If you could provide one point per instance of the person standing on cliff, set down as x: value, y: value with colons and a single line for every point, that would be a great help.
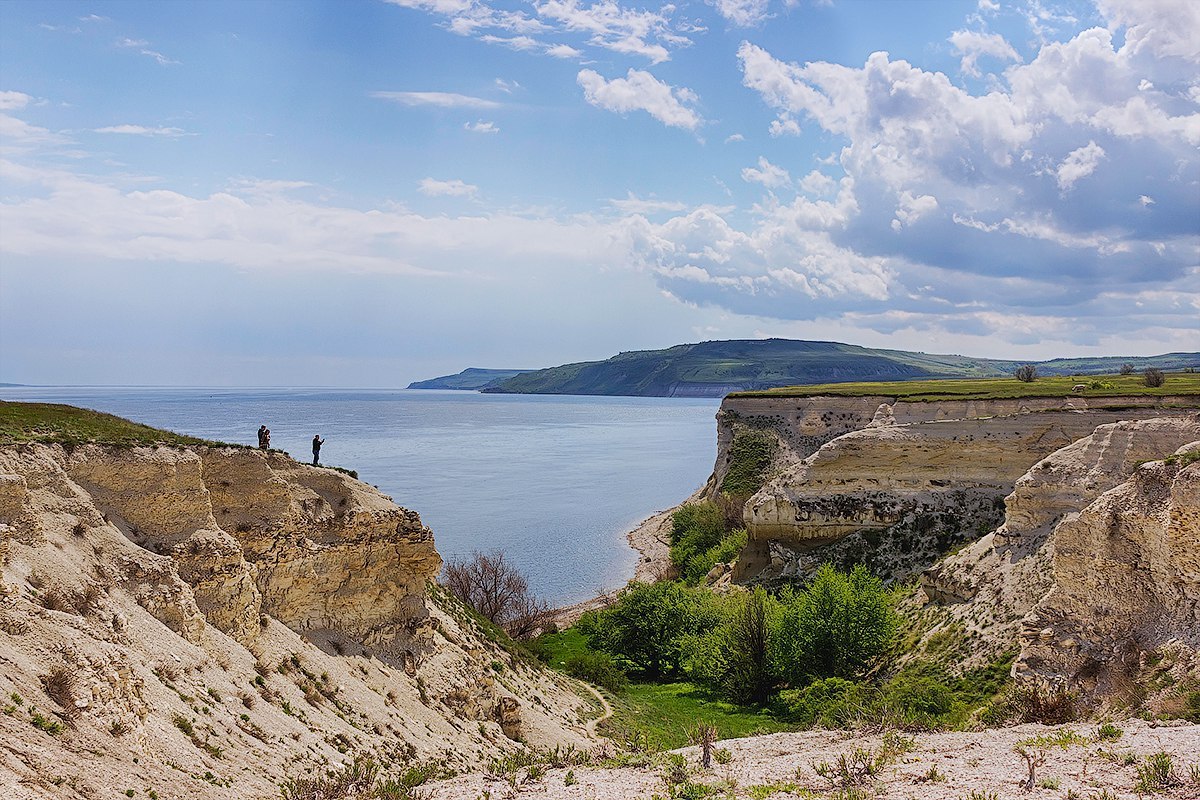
x: 317, y: 442
x: 264, y: 437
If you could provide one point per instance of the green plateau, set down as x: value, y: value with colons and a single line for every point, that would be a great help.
x: 718, y: 368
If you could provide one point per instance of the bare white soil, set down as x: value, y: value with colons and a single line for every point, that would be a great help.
x: 940, y: 766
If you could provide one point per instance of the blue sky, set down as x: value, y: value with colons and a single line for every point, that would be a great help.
x: 368, y: 193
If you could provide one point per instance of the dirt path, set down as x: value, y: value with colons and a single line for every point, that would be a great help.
x: 608, y: 709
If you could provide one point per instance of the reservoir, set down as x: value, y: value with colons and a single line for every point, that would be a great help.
x: 555, y: 481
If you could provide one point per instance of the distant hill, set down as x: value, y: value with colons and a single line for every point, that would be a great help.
x: 471, y: 378
x: 714, y: 369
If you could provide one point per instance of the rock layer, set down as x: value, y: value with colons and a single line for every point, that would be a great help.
x: 231, y: 613
x: 1126, y: 583
x: 899, y: 482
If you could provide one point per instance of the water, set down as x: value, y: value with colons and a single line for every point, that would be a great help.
x: 553, y: 481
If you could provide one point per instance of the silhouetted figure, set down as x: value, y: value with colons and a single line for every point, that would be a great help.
x: 264, y: 437
x: 317, y: 442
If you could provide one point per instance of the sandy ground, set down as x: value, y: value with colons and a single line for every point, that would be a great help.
x: 939, y: 766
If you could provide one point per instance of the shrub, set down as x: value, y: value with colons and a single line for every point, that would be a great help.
x: 1127, y: 368
x: 647, y: 624
x: 733, y: 657
x: 59, y: 684
x: 498, y: 591
x: 829, y: 703
x: 1031, y: 703
x: 833, y: 627
x: 1026, y: 373
x: 920, y: 697
x: 696, y: 529
x: 1153, y: 377
x: 1156, y: 773
x: 598, y: 668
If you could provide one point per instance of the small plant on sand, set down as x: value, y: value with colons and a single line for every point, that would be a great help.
x: 59, y: 683
x: 1107, y: 732
x: 933, y: 775
x: 853, y: 770
x: 706, y: 734
x: 1156, y: 773
x: 1034, y: 757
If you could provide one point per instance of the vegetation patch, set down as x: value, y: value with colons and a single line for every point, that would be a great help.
x: 700, y: 541
x: 750, y: 455
x: 1174, y: 383
x: 662, y: 716
x: 54, y: 423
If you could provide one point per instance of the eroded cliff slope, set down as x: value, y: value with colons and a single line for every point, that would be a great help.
x: 207, y: 621
x: 892, y: 483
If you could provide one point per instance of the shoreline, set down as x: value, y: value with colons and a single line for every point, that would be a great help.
x: 651, y: 539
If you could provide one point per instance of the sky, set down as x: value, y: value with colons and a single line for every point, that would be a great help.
x: 363, y: 194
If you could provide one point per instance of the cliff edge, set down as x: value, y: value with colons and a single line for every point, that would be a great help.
x: 207, y: 621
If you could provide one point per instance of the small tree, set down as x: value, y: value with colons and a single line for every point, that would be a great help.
x: 498, y: 591
x: 648, y: 624
x: 1153, y: 377
x: 733, y: 657
x: 1127, y: 368
x: 1026, y: 373
x: 833, y: 628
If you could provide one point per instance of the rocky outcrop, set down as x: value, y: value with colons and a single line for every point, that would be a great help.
x: 987, y: 589
x: 1126, y: 583
x: 232, y: 613
x: 897, y: 484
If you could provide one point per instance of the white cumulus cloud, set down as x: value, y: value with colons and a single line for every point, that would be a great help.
x: 641, y: 91
x: 452, y: 188
x: 1079, y: 164
x: 742, y: 12
x: 972, y: 44
x: 768, y: 174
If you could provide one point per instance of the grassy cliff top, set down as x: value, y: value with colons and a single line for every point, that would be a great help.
x: 1177, y: 383
x: 53, y: 423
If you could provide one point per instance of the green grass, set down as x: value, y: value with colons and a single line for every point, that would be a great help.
x: 659, y: 716
x: 662, y: 714
x: 556, y: 649
x: 1178, y: 383
x: 52, y: 423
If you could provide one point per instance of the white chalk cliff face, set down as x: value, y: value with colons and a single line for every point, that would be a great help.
x: 902, y: 486
x: 1075, y: 545
x: 281, y: 613
x: 1125, y: 583
x: 991, y: 588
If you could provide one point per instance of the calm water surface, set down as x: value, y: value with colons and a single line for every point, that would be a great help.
x: 554, y: 481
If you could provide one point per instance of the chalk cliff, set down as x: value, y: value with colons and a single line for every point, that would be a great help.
x: 1052, y: 529
x: 205, y: 621
x: 895, y: 483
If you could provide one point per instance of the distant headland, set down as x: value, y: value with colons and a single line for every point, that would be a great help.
x: 718, y: 368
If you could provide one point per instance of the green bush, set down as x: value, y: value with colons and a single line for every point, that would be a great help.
x: 696, y: 528
x: 924, y: 699
x: 733, y: 657
x: 598, y: 668
x: 645, y: 628
x: 833, y: 627
x: 829, y: 703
